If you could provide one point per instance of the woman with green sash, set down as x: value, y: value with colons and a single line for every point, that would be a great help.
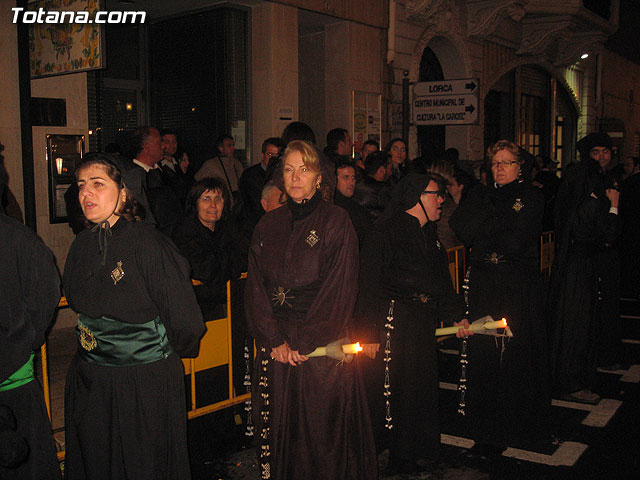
x: 125, y: 415
x: 29, y: 294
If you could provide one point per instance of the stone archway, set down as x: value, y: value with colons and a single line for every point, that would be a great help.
x: 439, y: 59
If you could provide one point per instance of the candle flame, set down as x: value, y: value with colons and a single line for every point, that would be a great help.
x: 504, y: 322
x: 357, y: 347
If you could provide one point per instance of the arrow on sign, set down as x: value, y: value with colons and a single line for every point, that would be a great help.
x: 470, y: 86
x: 469, y: 109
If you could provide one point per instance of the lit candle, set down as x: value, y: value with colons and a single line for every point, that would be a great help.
x: 476, y: 327
x: 350, y: 348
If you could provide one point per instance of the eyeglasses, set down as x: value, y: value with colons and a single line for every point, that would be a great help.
x: 440, y: 193
x: 504, y: 164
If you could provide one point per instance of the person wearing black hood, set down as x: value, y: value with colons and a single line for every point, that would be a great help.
x: 508, y: 398
x: 584, y: 302
x: 29, y: 294
x: 405, y: 290
x: 137, y: 315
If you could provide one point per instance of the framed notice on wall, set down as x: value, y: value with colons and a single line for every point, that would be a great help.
x: 64, y: 153
x: 366, y: 118
x: 67, y: 40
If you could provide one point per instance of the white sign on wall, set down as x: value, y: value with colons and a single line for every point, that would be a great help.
x: 446, y: 102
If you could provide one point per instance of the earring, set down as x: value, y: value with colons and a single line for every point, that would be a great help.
x: 318, y: 186
x: 520, y: 179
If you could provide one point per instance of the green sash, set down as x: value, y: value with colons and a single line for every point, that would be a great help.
x: 20, y: 377
x: 109, y: 342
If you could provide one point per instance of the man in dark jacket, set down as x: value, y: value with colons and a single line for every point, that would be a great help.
x: 250, y: 186
x: 373, y: 192
x: 345, y: 188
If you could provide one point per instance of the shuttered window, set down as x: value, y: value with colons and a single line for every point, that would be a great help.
x: 199, y: 76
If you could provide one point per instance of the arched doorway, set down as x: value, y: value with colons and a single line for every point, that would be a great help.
x: 431, y: 138
x: 529, y: 106
x: 441, y: 60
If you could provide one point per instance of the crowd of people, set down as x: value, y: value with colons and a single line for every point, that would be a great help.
x: 337, y: 250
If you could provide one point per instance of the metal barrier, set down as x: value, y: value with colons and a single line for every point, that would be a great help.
x: 210, y: 357
x: 457, y: 265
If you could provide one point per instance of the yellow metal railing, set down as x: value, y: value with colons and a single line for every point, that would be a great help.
x: 457, y: 265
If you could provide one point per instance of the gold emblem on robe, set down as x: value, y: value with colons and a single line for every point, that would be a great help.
x: 312, y: 238
x: 517, y: 206
x: 117, y: 273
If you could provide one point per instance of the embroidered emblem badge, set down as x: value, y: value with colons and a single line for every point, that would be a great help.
x: 422, y: 297
x: 117, y: 273
x: 494, y: 258
x: 312, y: 238
x: 517, y: 206
x: 87, y: 338
x: 280, y: 296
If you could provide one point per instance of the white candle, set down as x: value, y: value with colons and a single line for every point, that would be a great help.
x: 476, y: 327
x: 346, y: 349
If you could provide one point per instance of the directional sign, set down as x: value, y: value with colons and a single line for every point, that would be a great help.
x: 446, y: 87
x: 448, y: 102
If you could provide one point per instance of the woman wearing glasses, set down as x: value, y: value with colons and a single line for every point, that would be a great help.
x: 508, y: 395
x: 404, y: 290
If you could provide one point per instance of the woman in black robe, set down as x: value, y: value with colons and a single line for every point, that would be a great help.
x: 29, y: 294
x: 217, y: 252
x: 404, y: 276
x: 125, y: 414
x: 207, y: 237
x: 508, y: 396
x: 311, y: 413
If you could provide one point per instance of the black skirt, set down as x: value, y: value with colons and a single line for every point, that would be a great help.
x: 126, y: 422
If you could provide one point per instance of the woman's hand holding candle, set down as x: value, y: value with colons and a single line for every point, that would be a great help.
x: 465, y: 329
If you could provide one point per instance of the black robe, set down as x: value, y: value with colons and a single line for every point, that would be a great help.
x: 130, y: 421
x: 508, y: 394
x: 630, y: 236
x: 301, y: 288
x: 401, y: 261
x: 215, y: 258
x: 250, y: 187
x: 360, y: 218
x: 584, y: 294
x: 29, y: 294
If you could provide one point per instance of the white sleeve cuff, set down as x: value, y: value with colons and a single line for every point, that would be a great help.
x: 613, y: 210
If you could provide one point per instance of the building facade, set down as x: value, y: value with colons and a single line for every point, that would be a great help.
x: 248, y: 67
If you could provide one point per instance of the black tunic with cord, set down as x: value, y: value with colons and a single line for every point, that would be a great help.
x: 403, y: 262
x: 508, y: 398
x: 129, y: 420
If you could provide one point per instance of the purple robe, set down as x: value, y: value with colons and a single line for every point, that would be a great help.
x: 301, y: 288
